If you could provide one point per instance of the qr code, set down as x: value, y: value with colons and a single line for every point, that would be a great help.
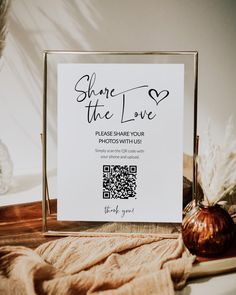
x: 119, y: 182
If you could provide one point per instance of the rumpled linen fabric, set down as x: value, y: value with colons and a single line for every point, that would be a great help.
x: 113, y: 265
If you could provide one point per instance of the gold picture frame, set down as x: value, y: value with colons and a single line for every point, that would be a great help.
x: 52, y: 227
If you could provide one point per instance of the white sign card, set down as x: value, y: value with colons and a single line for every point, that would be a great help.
x: 120, y: 142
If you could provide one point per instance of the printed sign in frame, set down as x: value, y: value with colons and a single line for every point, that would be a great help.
x: 116, y: 128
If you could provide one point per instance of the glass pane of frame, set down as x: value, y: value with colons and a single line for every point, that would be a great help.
x: 103, y: 62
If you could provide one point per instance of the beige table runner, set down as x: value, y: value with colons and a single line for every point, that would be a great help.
x: 92, y: 265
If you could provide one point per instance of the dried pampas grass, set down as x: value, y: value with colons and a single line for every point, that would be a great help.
x: 4, y: 8
x: 217, y: 166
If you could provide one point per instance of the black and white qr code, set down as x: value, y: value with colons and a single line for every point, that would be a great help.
x: 119, y: 182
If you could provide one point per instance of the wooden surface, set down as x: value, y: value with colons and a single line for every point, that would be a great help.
x: 22, y: 225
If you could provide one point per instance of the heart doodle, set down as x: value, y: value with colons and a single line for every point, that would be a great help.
x: 158, y: 96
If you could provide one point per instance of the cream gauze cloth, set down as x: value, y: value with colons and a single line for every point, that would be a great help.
x: 103, y: 265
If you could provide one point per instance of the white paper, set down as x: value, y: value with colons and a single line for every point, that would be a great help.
x: 120, y: 142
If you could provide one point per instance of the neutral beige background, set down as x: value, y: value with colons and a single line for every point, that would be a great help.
x: 208, y: 26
